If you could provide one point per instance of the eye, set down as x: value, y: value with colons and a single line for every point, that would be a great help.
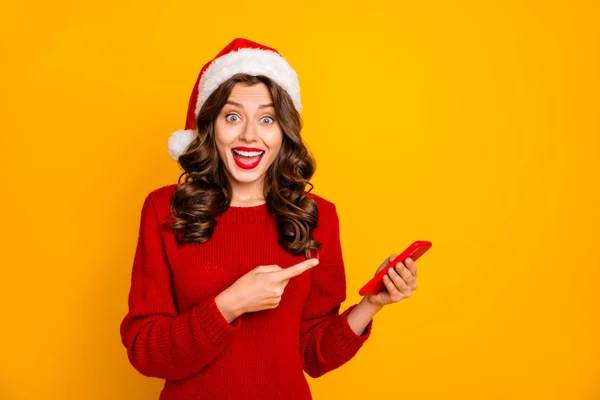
x: 230, y: 115
x: 272, y: 120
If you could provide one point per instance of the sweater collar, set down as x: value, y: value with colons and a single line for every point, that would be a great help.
x: 245, y: 215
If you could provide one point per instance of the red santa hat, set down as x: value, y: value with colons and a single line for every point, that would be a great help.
x: 241, y: 55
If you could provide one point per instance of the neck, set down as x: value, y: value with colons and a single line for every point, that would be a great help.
x: 247, y: 194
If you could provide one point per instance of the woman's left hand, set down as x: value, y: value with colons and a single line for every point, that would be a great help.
x: 400, y: 282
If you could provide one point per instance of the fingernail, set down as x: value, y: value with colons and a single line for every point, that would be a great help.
x: 315, y: 262
x: 409, y: 259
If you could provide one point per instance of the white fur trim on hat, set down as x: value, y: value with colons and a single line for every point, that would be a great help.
x: 179, y: 141
x: 254, y: 62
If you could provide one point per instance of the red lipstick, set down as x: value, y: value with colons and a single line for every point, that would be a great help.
x: 244, y: 161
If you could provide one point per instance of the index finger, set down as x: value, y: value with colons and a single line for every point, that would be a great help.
x: 411, y: 265
x: 297, y: 269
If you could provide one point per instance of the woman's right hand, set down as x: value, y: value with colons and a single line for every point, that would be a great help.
x: 259, y: 289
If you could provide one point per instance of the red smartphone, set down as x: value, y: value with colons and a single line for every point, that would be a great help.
x: 414, y: 251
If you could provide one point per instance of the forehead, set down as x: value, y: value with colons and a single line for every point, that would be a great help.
x: 242, y: 93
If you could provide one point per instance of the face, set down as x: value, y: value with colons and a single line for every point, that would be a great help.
x: 247, y: 134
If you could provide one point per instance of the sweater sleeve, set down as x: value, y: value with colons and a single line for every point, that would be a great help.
x: 160, y: 341
x: 326, y: 339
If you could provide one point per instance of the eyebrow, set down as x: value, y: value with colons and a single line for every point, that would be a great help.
x: 241, y: 106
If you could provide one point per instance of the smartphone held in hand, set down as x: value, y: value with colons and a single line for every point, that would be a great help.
x: 414, y: 251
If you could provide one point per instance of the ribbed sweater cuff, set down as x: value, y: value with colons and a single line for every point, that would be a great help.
x: 347, y: 340
x: 208, y: 317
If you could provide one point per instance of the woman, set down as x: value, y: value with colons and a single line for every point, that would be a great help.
x: 226, y: 300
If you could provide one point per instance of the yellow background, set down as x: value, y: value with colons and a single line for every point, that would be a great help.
x: 473, y: 124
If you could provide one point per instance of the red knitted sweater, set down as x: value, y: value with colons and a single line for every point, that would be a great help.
x: 175, y: 331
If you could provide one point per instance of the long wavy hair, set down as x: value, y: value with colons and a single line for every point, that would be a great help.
x: 206, y: 191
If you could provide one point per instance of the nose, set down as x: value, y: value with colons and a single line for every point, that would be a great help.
x: 249, y: 133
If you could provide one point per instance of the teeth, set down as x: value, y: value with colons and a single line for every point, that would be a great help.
x: 248, y: 153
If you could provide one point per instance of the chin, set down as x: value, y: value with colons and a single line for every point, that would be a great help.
x: 243, y: 176
x: 246, y: 179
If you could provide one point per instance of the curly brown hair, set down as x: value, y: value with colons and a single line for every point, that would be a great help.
x: 206, y: 191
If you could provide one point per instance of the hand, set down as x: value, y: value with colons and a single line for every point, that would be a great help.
x: 260, y: 289
x: 400, y: 282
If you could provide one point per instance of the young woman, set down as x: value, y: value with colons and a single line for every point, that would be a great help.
x: 227, y: 300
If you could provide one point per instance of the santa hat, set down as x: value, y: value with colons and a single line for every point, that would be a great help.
x: 241, y: 55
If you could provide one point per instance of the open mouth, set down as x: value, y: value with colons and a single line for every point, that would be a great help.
x: 247, y: 159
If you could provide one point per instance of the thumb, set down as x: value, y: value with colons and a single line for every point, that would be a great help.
x: 386, y: 262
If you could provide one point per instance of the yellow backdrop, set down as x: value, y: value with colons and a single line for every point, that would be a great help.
x: 471, y: 124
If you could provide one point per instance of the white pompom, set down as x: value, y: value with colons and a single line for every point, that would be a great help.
x: 179, y: 141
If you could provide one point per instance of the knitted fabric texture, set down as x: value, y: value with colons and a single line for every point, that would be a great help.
x: 174, y: 330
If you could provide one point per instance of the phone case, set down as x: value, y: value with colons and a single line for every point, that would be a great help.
x: 414, y: 251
